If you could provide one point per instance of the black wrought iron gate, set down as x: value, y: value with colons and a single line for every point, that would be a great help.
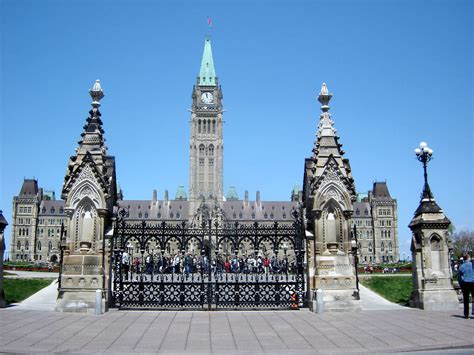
x: 214, y: 266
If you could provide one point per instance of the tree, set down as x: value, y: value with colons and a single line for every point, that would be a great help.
x: 463, y: 242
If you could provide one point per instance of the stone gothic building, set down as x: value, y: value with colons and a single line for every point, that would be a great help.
x: 90, y: 199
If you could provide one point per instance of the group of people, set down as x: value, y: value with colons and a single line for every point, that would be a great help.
x: 191, y: 263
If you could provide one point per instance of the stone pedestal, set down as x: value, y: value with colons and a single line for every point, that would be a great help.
x: 335, y: 281
x: 81, y: 276
x: 432, y: 276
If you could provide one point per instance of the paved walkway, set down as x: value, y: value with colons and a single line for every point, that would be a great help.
x: 266, y: 332
x: 380, y: 327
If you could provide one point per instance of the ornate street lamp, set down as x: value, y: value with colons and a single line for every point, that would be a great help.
x: 355, y: 251
x: 424, y: 154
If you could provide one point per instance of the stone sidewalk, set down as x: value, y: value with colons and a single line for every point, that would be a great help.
x: 235, y: 332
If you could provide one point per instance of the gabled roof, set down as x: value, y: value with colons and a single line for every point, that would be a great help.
x: 87, y: 160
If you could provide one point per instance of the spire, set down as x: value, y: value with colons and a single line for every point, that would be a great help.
x: 326, y: 141
x: 326, y: 127
x: 92, y: 137
x: 207, y: 74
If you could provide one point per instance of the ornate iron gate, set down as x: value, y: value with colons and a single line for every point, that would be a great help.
x: 214, y: 266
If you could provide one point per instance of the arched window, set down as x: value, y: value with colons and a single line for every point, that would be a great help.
x: 284, y: 215
x: 140, y: 215
x: 382, y: 247
x: 52, y: 210
x: 213, y: 126
x: 370, y: 249
x: 390, y: 246
x: 27, y: 245
x: 208, y: 126
x: 201, y: 150
x: 39, y: 245
x: 199, y: 126
x: 146, y: 214
x: 389, y: 234
x: 43, y: 210
x: 50, y: 246
x: 61, y: 210
x: 18, y: 245
x: 203, y: 126
x: 211, y: 150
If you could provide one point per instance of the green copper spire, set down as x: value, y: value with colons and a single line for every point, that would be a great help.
x: 207, y: 74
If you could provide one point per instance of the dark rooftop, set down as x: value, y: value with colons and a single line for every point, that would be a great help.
x: 380, y: 191
x: 29, y: 188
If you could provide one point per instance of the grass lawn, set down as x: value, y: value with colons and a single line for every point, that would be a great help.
x: 16, y: 290
x: 395, y: 289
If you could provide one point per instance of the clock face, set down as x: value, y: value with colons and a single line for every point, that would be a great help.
x: 207, y: 97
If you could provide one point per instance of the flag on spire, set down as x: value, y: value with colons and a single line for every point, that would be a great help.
x: 209, y: 22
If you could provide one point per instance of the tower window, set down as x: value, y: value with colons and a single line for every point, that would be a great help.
x: 211, y: 150
x: 201, y: 150
x: 199, y: 126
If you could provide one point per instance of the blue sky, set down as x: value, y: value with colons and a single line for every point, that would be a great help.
x: 400, y: 72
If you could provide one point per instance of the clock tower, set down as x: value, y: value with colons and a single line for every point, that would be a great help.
x: 206, y: 141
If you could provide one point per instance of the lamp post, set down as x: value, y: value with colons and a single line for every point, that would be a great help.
x: 355, y: 250
x: 62, y: 246
x: 424, y: 154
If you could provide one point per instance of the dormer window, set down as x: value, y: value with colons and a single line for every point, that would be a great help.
x: 52, y: 210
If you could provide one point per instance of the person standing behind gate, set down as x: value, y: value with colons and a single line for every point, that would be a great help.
x: 125, y: 264
x: 466, y: 279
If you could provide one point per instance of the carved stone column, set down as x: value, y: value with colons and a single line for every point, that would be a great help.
x: 432, y: 275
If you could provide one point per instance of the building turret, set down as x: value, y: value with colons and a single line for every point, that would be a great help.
x: 90, y: 194
x: 329, y: 192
